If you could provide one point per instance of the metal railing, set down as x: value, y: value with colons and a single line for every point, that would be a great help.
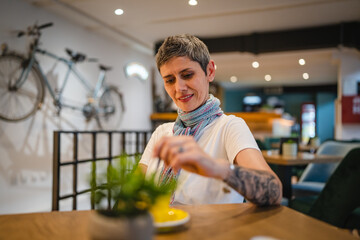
x: 130, y: 142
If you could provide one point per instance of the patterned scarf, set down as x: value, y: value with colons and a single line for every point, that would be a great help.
x: 193, y: 123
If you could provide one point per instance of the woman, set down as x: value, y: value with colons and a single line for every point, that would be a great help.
x: 214, y: 156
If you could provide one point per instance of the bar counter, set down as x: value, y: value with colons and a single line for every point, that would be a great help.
x: 257, y: 121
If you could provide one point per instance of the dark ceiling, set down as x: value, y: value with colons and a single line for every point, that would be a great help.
x: 346, y: 34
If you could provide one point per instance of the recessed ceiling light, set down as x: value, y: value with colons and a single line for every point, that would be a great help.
x: 119, y: 11
x: 255, y: 64
x: 301, y: 61
x: 267, y: 77
x: 215, y: 67
x: 193, y: 2
x: 305, y: 75
x: 233, y: 79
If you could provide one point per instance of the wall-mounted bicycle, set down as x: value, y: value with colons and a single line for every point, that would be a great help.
x: 22, y: 88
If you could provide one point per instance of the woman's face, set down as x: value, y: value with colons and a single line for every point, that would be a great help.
x: 186, y: 82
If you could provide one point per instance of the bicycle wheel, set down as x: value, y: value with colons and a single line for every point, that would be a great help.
x: 111, y: 109
x: 18, y: 103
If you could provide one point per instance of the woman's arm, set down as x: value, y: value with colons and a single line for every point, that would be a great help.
x: 251, y: 176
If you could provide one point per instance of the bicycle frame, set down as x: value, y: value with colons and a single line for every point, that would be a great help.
x: 96, y: 92
x: 24, y: 84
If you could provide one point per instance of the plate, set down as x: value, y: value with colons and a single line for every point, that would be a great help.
x: 166, y: 226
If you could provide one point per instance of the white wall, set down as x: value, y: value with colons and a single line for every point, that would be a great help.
x: 348, y: 76
x: 26, y: 147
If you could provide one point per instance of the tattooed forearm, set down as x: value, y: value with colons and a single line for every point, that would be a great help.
x: 259, y: 187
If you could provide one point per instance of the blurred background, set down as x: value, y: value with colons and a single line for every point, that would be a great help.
x: 282, y: 65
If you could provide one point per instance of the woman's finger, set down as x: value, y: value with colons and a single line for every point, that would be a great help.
x: 195, y: 160
x: 185, y: 157
x: 170, y: 148
x: 169, y: 141
x: 162, y: 147
x: 158, y: 146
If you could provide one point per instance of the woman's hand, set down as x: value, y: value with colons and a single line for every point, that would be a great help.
x: 183, y: 152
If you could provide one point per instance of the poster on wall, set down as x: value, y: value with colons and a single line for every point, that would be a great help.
x: 350, y: 109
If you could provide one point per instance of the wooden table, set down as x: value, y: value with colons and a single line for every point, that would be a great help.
x: 222, y: 221
x: 286, y: 163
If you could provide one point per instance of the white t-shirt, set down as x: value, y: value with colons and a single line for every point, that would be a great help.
x: 223, y: 138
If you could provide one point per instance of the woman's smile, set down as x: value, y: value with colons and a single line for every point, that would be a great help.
x: 186, y: 98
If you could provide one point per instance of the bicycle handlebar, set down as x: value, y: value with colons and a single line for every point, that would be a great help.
x: 34, y: 30
x: 50, y: 24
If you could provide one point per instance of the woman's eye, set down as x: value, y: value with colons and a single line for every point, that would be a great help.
x: 169, y: 81
x: 187, y: 76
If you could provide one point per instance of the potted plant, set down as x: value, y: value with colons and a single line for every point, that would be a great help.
x: 289, y: 148
x: 123, y: 197
x: 315, y: 142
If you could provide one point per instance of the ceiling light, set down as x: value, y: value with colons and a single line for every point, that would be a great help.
x: 255, y: 64
x: 301, y: 61
x: 136, y: 70
x: 193, y: 2
x: 119, y: 11
x: 215, y: 67
x: 305, y: 75
x: 233, y: 79
x: 267, y: 77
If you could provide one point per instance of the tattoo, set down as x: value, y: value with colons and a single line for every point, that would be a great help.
x: 259, y: 187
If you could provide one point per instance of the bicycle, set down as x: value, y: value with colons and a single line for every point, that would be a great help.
x: 22, y: 83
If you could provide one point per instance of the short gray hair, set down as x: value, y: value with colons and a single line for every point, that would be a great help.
x: 184, y: 45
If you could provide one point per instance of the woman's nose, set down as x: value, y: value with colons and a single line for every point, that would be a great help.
x: 180, y: 85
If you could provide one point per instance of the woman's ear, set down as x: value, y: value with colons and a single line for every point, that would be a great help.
x: 211, y: 70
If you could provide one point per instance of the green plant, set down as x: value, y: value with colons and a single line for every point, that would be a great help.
x: 130, y: 192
